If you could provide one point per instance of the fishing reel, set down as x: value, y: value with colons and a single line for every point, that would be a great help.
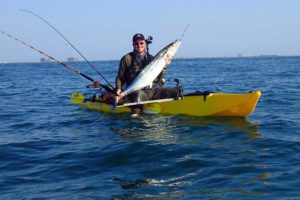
x: 178, y: 82
x: 149, y: 40
x: 95, y: 84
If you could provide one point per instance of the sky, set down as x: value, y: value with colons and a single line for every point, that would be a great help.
x: 103, y: 29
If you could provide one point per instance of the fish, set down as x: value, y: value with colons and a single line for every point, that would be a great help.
x: 153, y: 69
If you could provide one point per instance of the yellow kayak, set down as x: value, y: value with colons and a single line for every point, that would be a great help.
x: 207, y: 104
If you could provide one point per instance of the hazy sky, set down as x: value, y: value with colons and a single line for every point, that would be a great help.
x: 103, y: 29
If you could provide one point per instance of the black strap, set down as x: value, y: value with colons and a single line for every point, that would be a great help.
x: 200, y: 93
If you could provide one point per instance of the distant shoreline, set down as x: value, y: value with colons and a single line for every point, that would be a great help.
x: 176, y: 58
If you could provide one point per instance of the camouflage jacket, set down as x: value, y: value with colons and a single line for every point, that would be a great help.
x: 130, y: 66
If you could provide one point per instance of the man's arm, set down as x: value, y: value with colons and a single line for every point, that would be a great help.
x: 120, y: 79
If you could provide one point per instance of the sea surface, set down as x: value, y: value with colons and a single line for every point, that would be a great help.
x: 51, y: 149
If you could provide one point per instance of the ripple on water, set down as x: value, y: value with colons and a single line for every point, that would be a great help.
x: 50, y: 149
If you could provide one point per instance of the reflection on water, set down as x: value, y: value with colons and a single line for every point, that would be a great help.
x: 184, y: 129
x: 207, y: 151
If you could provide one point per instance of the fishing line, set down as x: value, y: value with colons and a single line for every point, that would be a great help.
x: 184, y: 31
x: 44, y: 20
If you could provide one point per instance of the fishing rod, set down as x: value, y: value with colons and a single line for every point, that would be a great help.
x: 48, y: 23
x: 95, y: 83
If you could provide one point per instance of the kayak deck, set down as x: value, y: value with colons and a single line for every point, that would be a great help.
x: 213, y: 104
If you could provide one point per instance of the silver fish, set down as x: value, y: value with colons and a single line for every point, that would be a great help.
x: 153, y: 69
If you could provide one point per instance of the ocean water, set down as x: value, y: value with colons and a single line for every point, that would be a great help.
x: 51, y: 149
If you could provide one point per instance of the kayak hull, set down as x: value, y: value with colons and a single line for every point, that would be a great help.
x: 213, y: 104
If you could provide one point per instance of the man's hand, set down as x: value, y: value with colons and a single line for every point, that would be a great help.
x: 120, y: 94
x: 168, y: 59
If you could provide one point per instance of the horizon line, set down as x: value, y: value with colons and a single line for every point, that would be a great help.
x: 175, y: 58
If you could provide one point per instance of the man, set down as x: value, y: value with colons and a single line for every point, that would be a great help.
x: 131, y: 65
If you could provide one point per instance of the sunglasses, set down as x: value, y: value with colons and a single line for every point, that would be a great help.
x: 139, y: 43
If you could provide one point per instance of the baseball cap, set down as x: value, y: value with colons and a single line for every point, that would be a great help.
x: 138, y: 36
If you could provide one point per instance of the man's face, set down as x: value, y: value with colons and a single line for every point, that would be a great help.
x: 139, y: 45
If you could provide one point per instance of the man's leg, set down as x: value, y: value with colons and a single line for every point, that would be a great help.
x: 164, y: 93
x: 138, y: 96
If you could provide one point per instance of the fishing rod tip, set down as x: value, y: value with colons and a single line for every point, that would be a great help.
x: 23, y: 10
